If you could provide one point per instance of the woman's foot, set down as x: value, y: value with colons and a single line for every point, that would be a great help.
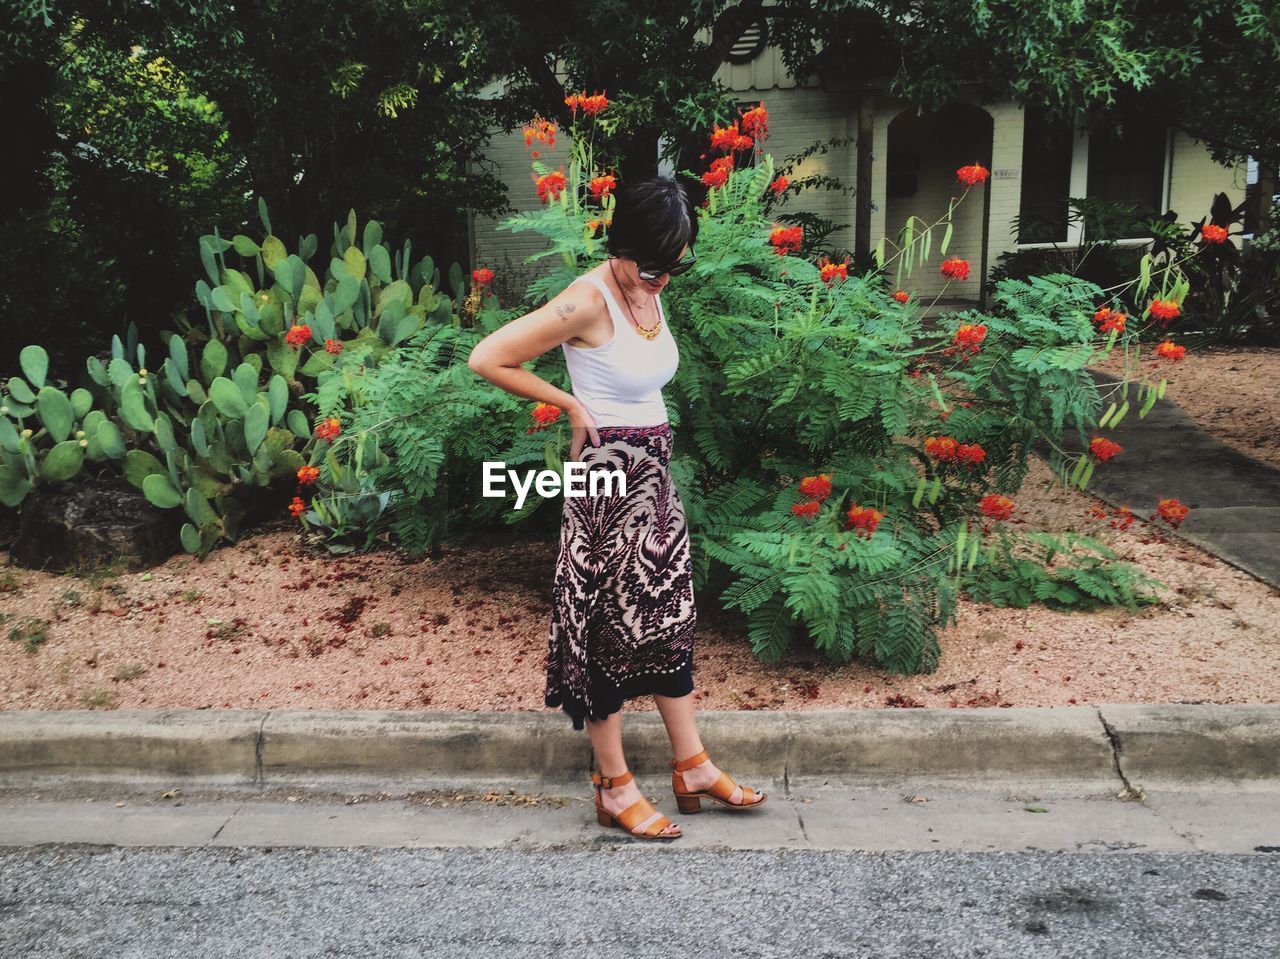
x: 620, y: 797
x: 704, y: 776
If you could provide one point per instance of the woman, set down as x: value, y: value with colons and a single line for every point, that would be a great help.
x: 623, y: 614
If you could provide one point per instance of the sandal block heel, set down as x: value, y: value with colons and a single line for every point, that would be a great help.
x: 720, y: 791
x: 629, y: 819
x: 688, y: 804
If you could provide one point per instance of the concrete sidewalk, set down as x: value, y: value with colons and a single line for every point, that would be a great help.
x: 1122, y: 746
x: 1234, y: 499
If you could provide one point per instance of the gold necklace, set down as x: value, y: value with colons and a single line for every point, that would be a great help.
x: 647, y: 334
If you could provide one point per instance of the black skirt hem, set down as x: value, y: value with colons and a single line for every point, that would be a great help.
x: 609, y: 698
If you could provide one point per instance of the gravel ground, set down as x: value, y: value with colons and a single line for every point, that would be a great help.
x: 270, y: 623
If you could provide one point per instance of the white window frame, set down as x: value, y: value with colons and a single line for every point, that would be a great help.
x: 1077, y: 185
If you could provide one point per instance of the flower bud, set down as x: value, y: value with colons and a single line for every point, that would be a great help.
x: 84, y: 443
x: 26, y: 434
x: 142, y: 371
x: 4, y: 411
x: 79, y: 434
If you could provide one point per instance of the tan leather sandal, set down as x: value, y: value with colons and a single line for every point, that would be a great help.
x: 633, y: 815
x: 720, y: 790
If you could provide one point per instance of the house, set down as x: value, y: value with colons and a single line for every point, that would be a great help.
x: 897, y: 162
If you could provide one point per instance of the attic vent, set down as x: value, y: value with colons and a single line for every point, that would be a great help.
x: 751, y: 37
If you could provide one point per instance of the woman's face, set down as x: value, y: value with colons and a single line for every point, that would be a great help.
x: 652, y: 286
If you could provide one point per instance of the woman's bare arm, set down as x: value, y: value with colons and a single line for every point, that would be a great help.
x: 500, y: 355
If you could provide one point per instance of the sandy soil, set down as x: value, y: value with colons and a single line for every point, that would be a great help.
x: 1230, y: 392
x: 270, y: 623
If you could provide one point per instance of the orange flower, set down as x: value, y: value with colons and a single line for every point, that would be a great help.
x: 941, y: 448
x: 970, y: 453
x: 1213, y: 233
x: 902, y: 296
x: 1109, y: 319
x: 1172, y: 511
x: 728, y: 138
x: 755, y: 122
x: 298, y: 506
x: 1169, y: 351
x: 718, y: 175
x: 779, y: 184
x: 968, y: 339
x: 308, y: 475
x: 807, y: 509
x: 974, y: 173
x: 549, y: 186
x: 818, y: 487
x: 591, y: 105
x: 1164, y: 310
x: 602, y: 186
x: 997, y: 507
x: 298, y: 334
x: 482, y: 276
x: 864, y: 519
x: 544, y: 414
x: 328, y: 429
x: 542, y: 130
x: 333, y: 346
x: 830, y: 271
x: 1103, y: 449
x: 786, y: 239
x: 955, y: 269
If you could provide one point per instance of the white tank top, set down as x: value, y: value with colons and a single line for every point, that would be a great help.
x: 620, y: 383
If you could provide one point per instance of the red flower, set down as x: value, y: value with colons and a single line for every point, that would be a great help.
x: 1169, y: 351
x: 818, y: 487
x: 997, y: 507
x: 779, y: 184
x: 1109, y: 319
x: 955, y: 269
x: 1172, y: 511
x: 1164, y: 310
x: 902, y: 296
x: 974, y: 173
x: 298, y: 334
x: 786, y: 239
x: 968, y: 338
x: 482, y: 276
x: 864, y: 519
x: 328, y: 429
x: 941, y: 448
x: 970, y: 453
x: 602, y: 186
x: 718, y: 175
x: 298, y: 506
x: 725, y: 138
x: 591, y: 105
x: 539, y: 129
x: 333, y: 346
x: 308, y: 475
x: 1213, y: 233
x: 830, y: 271
x: 550, y: 186
x: 544, y: 414
x: 806, y: 509
x: 755, y: 122
x: 1103, y: 449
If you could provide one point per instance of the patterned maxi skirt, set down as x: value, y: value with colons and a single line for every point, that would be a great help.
x: 623, y: 616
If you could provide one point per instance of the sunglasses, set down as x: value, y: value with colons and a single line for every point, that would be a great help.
x: 651, y: 273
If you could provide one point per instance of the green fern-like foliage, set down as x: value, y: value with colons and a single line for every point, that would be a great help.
x: 789, y: 370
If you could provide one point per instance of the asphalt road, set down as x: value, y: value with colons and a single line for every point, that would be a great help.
x: 831, y: 871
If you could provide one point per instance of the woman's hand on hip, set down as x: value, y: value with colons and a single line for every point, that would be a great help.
x: 584, y: 425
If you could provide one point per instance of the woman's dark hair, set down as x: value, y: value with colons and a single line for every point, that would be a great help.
x: 653, y: 221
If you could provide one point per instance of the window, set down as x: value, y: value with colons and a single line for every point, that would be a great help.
x: 1046, y: 179
x: 1117, y: 163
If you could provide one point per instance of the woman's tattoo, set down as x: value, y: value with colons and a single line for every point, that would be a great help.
x: 563, y: 311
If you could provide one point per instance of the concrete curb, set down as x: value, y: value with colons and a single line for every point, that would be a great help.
x: 1114, y: 744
